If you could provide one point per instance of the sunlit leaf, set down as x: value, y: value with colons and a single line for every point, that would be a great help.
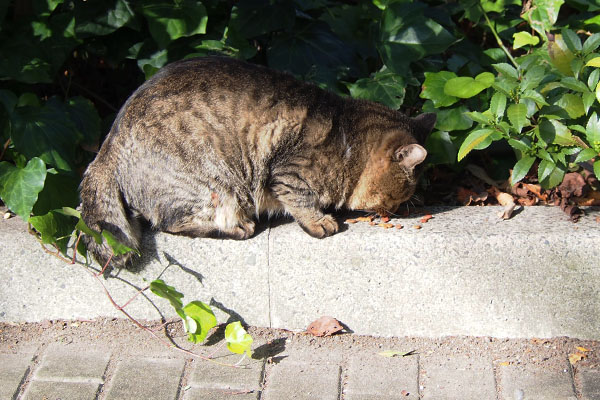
x: 433, y: 88
x: 199, y: 320
x: 523, y: 39
x: 472, y: 140
x: 161, y: 289
x: 238, y: 340
x: 517, y: 115
x: 19, y: 187
x: 521, y: 169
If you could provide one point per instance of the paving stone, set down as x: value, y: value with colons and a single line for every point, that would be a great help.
x: 377, y: 377
x: 457, y: 378
x: 37, y: 390
x: 302, y: 381
x: 146, y: 378
x: 218, y: 394
x: 533, y: 384
x: 590, y: 384
x: 210, y: 376
x: 72, y: 364
x: 13, y: 368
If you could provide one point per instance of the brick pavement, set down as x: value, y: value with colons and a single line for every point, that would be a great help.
x: 73, y: 372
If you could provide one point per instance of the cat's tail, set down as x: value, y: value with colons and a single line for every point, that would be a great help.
x: 103, y: 208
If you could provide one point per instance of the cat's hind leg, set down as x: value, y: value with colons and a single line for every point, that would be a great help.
x: 222, y: 217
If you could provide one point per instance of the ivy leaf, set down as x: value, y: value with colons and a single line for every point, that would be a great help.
x: 524, y: 39
x: 117, y: 247
x: 81, y: 225
x: 199, y: 320
x: 517, y: 115
x: 238, y: 340
x: 19, y: 187
x: 96, y: 18
x: 55, y: 228
x: 252, y: 18
x: 433, y: 88
x: 472, y: 140
x: 168, y: 21
x: 161, y: 289
x: 521, y: 169
x: 384, y: 87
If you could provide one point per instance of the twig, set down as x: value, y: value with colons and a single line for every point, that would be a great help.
x: 6, y: 144
x: 498, y: 40
x: 105, y: 266
x: 75, y: 248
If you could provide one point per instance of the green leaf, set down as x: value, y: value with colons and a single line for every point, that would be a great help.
x: 464, y: 87
x: 594, y: 62
x: 486, y: 78
x: 19, y: 187
x: 542, y: 15
x: 521, y: 169
x: 597, y: 168
x: 384, y: 87
x: 161, y: 289
x: 96, y: 18
x: 506, y: 70
x: 593, y: 132
x: 545, y: 169
x: 452, y: 119
x: 498, y: 105
x: 252, y: 18
x: 238, y: 340
x: 560, y: 55
x: 574, y: 84
x: 60, y: 190
x: 571, y: 40
x: 520, y: 145
x: 81, y: 225
x: 479, y: 117
x: 535, y: 96
x: 555, y: 173
x: 588, y: 100
x: 585, y: 155
x: 47, y: 133
x: 406, y: 35
x: 572, y: 104
x: 523, y: 39
x: 593, y: 79
x: 168, y: 21
x: 117, y: 247
x: 517, y: 115
x: 591, y: 44
x: 563, y: 136
x: 440, y: 149
x: 199, y: 320
x: 55, y: 228
x: 472, y: 140
x: 84, y: 116
x: 506, y: 86
x: 433, y: 88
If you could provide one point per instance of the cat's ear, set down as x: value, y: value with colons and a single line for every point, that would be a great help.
x: 410, y: 155
x: 423, y: 125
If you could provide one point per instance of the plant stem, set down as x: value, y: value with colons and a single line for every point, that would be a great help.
x: 498, y: 40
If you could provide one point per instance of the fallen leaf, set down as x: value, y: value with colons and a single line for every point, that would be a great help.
x: 405, y: 393
x: 505, y: 200
x: 417, y: 226
x: 573, y: 184
x: 395, y: 353
x: 504, y: 364
x: 372, y: 223
x: 582, y: 349
x: 572, y: 210
x: 385, y: 219
x: 351, y: 221
x: 324, y: 326
x: 468, y: 197
x: 574, y: 358
x: 426, y: 218
x: 386, y: 226
x: 398, y: 226
x: 591, y: 199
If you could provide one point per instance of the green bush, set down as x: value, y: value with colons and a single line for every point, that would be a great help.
x: 67, y: 65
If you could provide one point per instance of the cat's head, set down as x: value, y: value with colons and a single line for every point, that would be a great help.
x: 390, y: 176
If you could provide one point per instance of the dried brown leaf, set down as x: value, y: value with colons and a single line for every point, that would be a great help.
x: 426, y: 218
x: 573, y: 185
x: 324, y: 326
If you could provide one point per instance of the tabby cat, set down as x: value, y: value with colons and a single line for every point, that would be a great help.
x: 207, y: 144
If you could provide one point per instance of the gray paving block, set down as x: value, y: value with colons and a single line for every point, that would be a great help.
x: 37, y: 390
x: 218, y: 394
x: 535, y: 384
x: 590, y: 384
x: 146, y: 378
x: 451, y: 378
x: 13, y: 368
x: 210, y: 376
x: 302, y: 381
x: 374, y: 376
x: 72, y: 364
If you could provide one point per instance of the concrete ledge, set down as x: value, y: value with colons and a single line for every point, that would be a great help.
x: 464, y: 273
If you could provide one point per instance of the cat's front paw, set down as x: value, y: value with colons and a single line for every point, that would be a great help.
x: 323, y: 227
